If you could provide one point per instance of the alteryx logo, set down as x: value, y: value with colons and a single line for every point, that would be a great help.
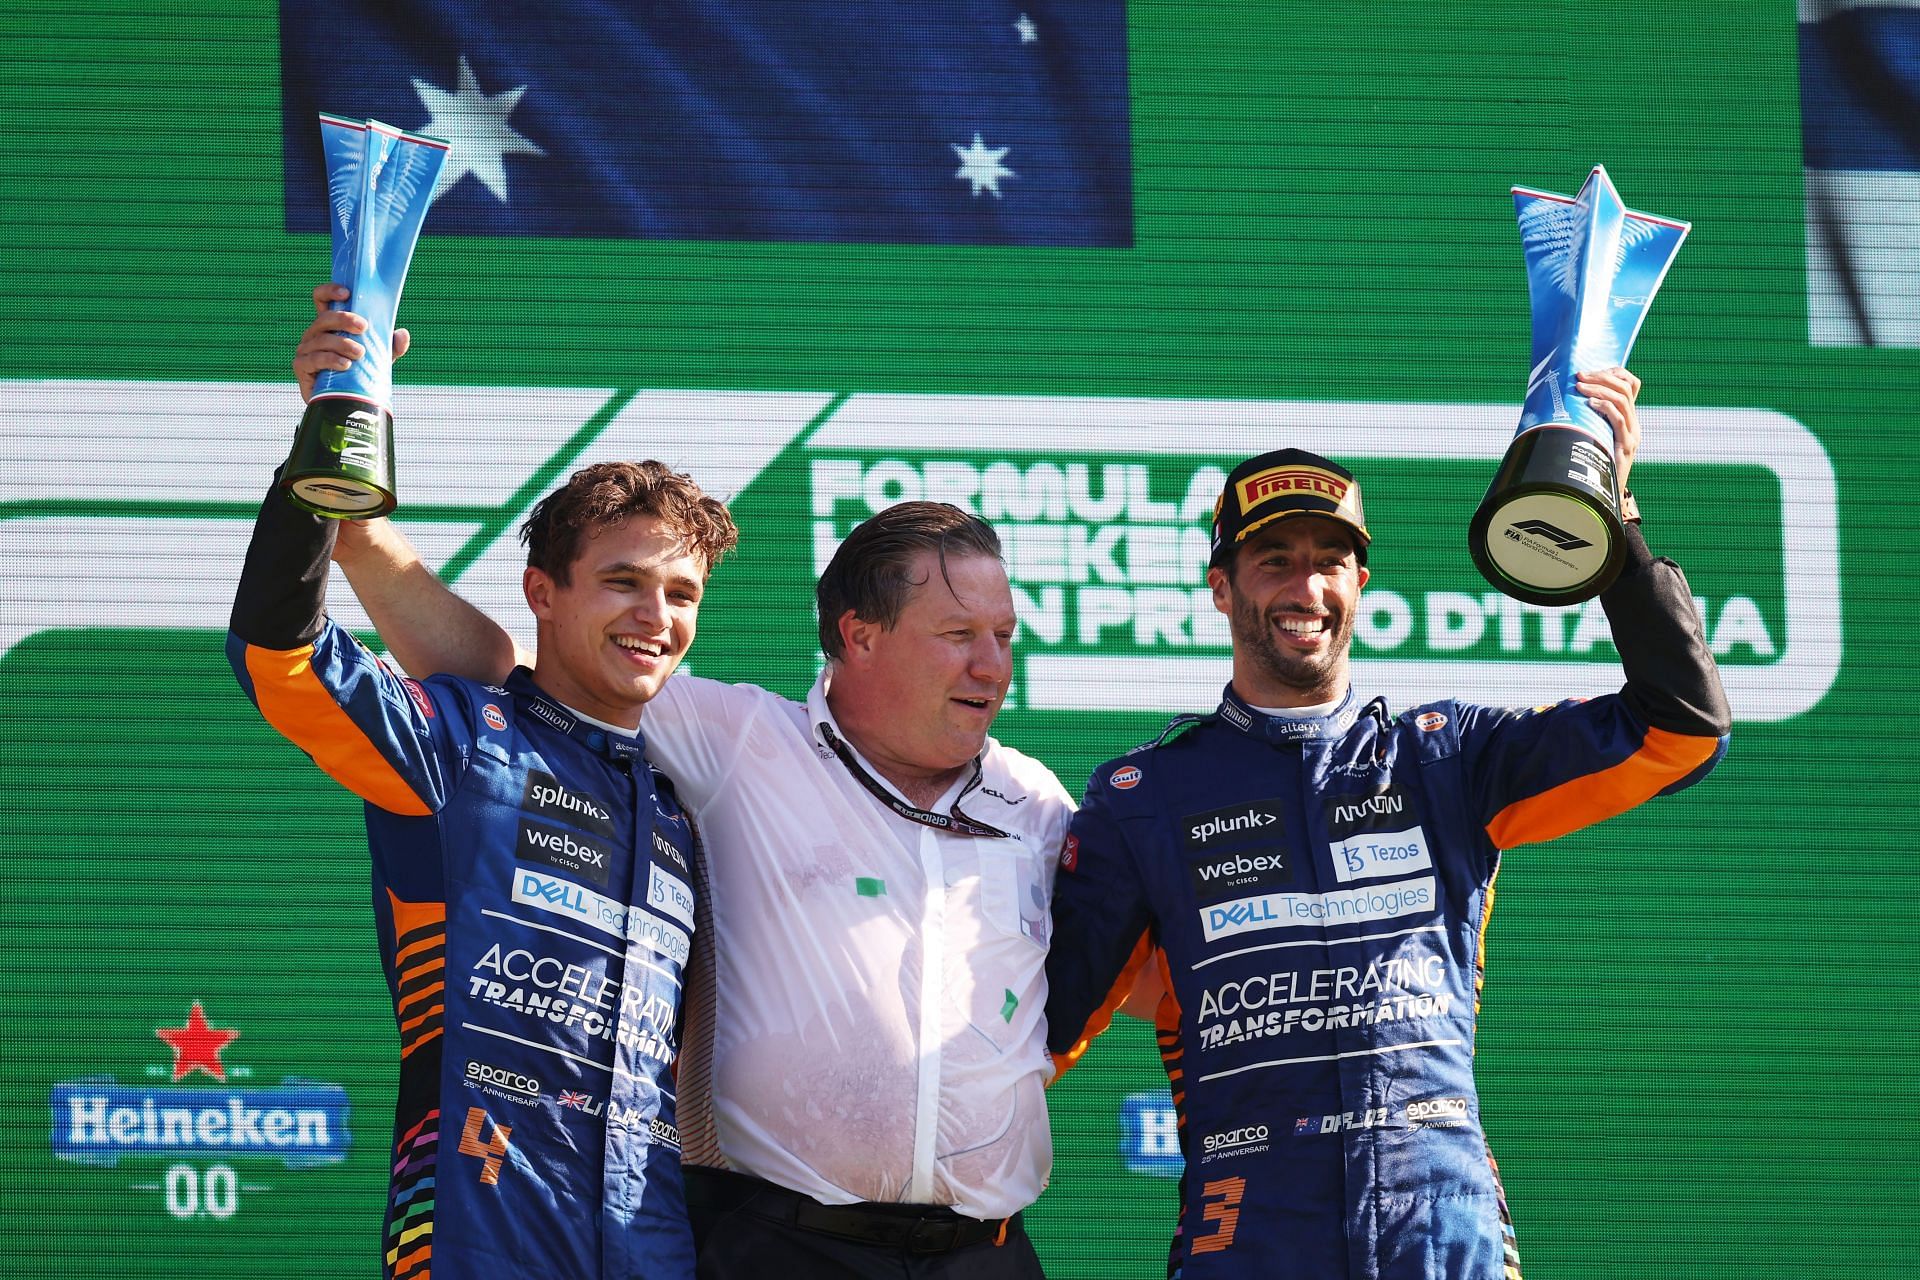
x: 199, y: 1123
x: 1102, y: 505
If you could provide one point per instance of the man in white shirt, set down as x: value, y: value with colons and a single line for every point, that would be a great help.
x: 864, y: 1068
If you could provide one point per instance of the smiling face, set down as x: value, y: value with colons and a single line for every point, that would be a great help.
x: 917, y: 698
x: 1290, y: 598
x: 612, y: 634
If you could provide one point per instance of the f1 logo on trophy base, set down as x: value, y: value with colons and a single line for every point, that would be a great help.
x: 380, y: 182
x: 1548, y: 531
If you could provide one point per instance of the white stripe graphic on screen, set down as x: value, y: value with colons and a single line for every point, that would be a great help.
x: 161, y: 566
x: 1356, y: 431
x: 92, y: 443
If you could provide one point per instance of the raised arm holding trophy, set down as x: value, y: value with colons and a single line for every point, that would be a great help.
x: 380, y: 181
x: 1548, y: 531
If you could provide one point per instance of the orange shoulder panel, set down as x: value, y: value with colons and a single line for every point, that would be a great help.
x: 1664, y: 757
x: 304, y: 711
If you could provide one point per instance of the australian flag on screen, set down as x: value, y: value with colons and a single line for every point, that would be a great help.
x: 863, y: 121
x: 1860, y: 135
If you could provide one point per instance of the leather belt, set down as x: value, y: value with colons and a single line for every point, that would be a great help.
x: 909, y: 1228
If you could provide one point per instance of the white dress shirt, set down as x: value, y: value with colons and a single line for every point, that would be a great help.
x: 876, y: 1030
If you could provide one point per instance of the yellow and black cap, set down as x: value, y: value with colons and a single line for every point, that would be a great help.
x: 1282, y: 484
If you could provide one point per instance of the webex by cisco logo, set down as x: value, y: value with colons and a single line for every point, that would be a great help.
x: 1238, y: 871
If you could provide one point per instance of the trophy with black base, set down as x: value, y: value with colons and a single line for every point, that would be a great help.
x: 380, y: 181
x: 1549, y: 530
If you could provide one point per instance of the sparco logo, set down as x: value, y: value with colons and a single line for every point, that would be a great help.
x: 1439, y: 1112
x: 1256, y: 818
x: 1242, y: 1137
x: 483, y: 1073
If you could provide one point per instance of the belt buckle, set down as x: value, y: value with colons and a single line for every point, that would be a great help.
x: 933, y: 1235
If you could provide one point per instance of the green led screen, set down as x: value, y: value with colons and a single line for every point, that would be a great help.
x: 1696, y: 1055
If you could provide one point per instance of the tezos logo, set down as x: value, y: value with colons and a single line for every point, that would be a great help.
x: 201, y: 1130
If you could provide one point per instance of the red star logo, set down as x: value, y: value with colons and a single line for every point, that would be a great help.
x: 197, y: 1046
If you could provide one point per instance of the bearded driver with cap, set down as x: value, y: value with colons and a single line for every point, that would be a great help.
x: 1313, y: 875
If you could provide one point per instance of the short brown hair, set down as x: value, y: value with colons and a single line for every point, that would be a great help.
x: 605, y: 495
x: 869, y: 574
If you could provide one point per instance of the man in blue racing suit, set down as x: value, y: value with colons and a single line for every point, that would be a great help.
x: 1312, y: 876
x: 532, y: 880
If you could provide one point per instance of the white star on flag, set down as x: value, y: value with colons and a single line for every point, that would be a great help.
x: 980, y: 165
x: 475, y: 124
x: 1028, y: 32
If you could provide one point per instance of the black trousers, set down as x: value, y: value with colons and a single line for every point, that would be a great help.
x: 747, y: 1229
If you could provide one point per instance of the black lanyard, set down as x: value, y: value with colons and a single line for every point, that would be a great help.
x: 956, y: 822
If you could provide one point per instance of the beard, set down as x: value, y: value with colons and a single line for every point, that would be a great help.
x: 1320, y: 677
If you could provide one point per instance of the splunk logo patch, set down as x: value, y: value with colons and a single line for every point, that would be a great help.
x: 1244, y: 823
x: 547, y: 798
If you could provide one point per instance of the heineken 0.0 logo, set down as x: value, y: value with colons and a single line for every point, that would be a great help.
x: 203, y: 1121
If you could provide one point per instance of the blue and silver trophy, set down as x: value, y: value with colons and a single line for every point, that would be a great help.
x: 380, y: 182
x: 1548, y: 531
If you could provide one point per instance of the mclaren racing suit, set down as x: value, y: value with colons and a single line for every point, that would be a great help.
x: 1317, y: 891
x: 532, y: 892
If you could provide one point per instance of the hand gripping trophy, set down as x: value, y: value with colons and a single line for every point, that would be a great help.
x: 379, y: 183
x: 1548, y: 531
